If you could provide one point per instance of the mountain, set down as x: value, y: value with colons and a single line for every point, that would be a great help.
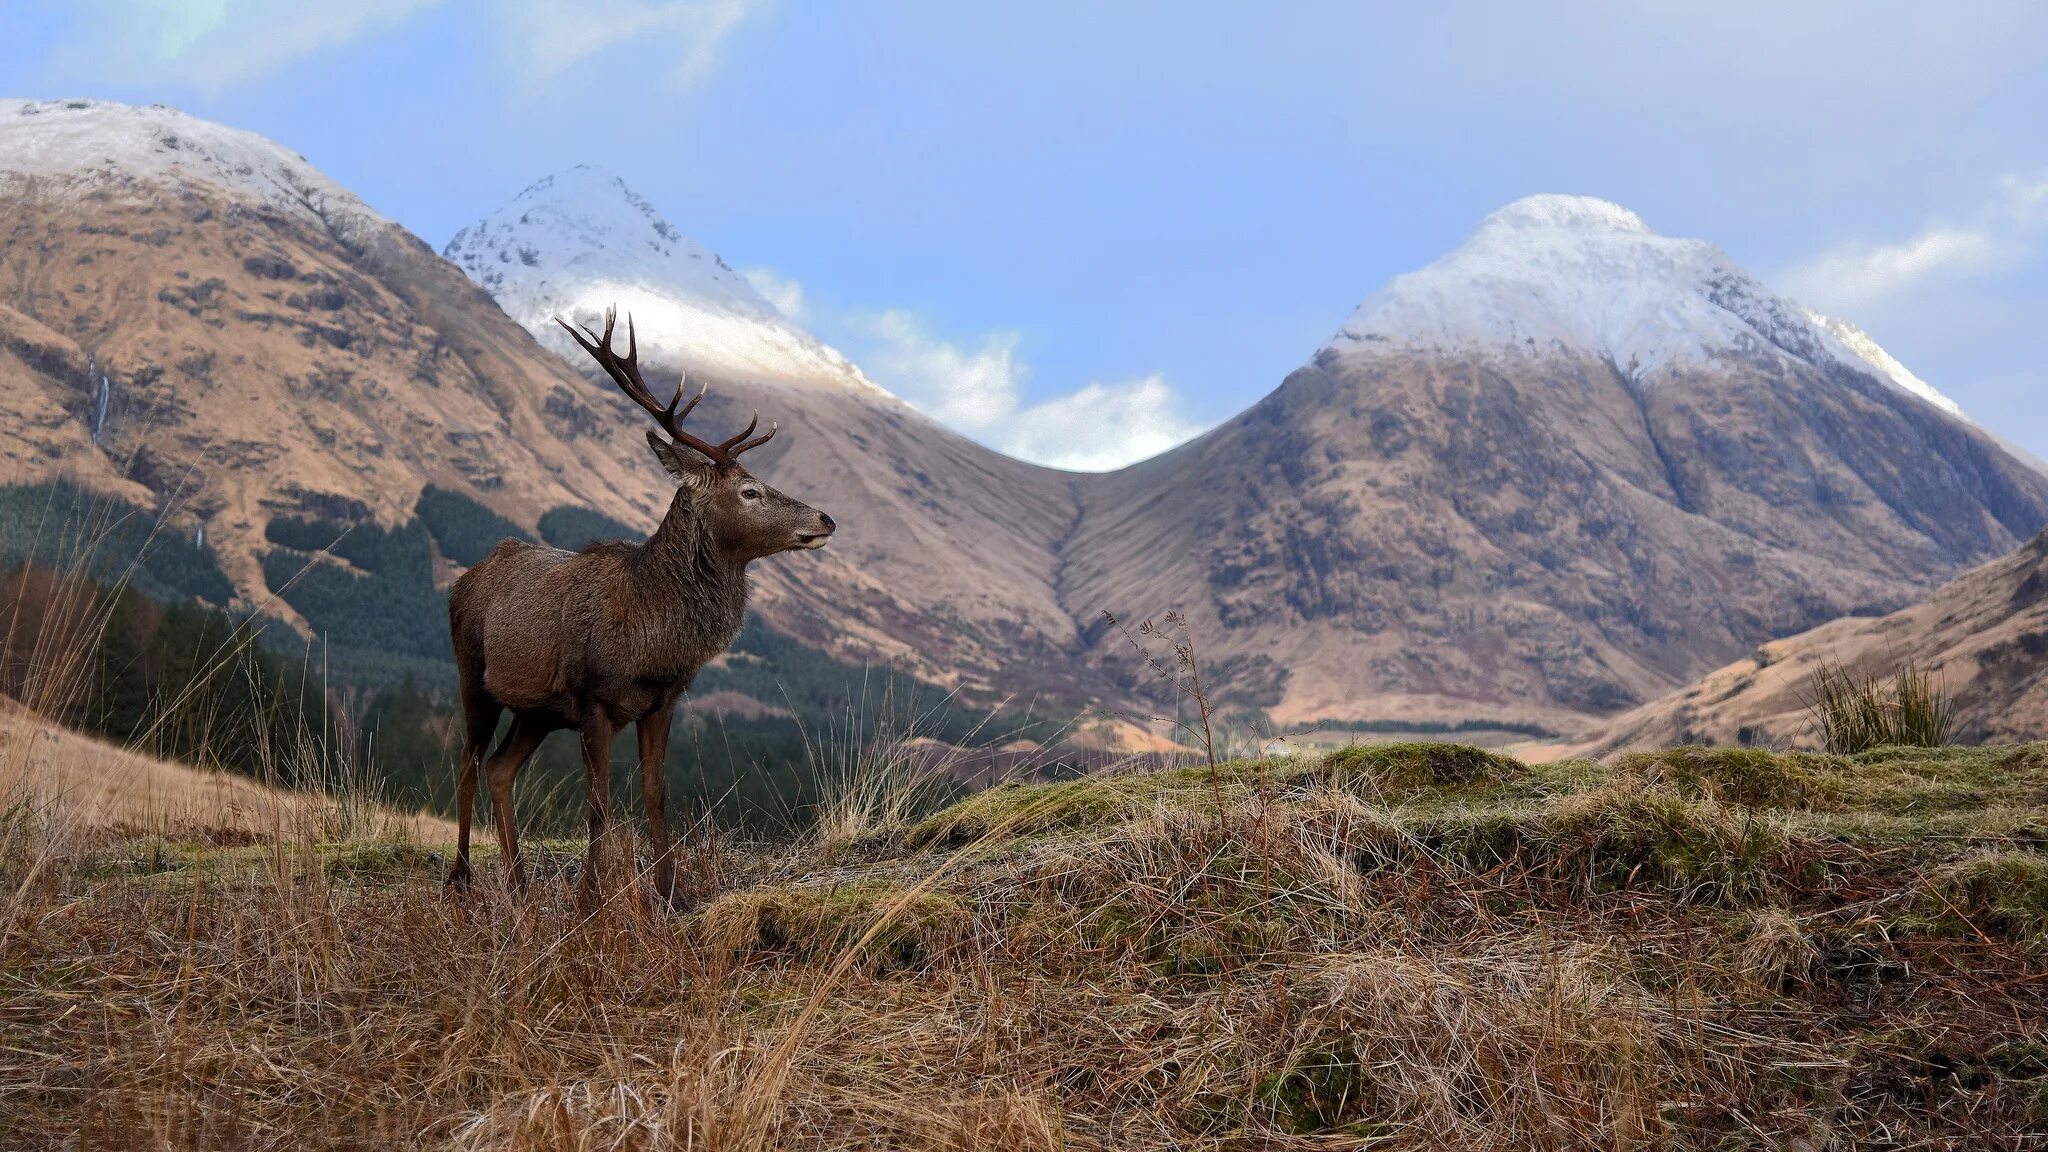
x: 580, y: 241
x: 198, y: 319
x: 1569, y: 465
x: 1563, y: 470
x: 944, y: 557
x: 1984, y: 636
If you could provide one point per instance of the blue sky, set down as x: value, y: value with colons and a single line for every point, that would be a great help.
x: 1162, y: 207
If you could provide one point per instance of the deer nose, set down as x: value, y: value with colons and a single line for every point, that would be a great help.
x: 826, y: 519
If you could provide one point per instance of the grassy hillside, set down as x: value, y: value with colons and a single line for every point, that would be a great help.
x: 381, y: 653
x: 1415, y: 946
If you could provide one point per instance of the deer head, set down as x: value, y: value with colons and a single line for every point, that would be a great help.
x: 746, y: 518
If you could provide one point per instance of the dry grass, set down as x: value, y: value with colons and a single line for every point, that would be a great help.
x: 96, y: 785
x: 1414, y: 949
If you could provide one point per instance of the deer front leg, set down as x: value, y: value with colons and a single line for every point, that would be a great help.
x: 653, y: 733
x: 597, y: 734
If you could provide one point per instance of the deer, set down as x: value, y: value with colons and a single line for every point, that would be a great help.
x: 613, y: 634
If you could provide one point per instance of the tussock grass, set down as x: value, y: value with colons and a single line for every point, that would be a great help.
x: 1856, y: 713
x: 1421, y: 947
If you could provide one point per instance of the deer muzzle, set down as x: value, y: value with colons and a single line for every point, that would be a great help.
x: 809, y: 541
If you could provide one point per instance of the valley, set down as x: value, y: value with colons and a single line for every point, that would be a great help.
x: 1277, y: 587
x: 1566, y: 469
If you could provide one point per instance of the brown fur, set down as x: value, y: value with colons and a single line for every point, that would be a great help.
x: 609, y: 636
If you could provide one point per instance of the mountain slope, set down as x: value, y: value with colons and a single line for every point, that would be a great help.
x: 250, y: 340
x: 945, y: 551
x: 1564, y: 468
x: 198, y: 318
x: 1983, y: 635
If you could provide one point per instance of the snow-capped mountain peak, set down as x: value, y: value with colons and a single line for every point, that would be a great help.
x: 1551, y: 212
x: 96, y: 142
x: 577, y: 242
x: 1556, y: 275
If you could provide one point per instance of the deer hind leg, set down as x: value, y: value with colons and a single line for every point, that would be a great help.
x: 526, y: 735
x: 597, y: 735
x: 480, y: 722
x: 653, y: 733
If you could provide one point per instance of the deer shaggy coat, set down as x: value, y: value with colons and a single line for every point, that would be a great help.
x: 612, y: 635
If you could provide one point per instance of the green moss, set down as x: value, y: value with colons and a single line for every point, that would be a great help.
x: 1015, y: 810
x: 1747, y: 776
x: 380, y: 861
x: 2001, y: 894
x: 1321, y: 1092
x: 1628, y: 834
x: 183, y: 861
x: 818, y: 921
x: 1404, y: 767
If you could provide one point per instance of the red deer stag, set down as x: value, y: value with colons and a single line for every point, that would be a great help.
x: 610, y: 636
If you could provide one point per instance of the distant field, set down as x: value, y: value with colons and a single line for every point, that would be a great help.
x: 89, y: 784
x: 1478, y: 736
x: 1407, y: 946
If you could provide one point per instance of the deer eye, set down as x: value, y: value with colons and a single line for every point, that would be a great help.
x: 750, y: 493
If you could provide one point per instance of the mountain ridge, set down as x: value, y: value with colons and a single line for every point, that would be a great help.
x: 1534, y: 532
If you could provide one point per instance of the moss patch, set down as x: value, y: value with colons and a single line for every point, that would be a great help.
x: 1405, y: 767
x: 1745, y: 776
x: 1375, y: 772
x: 2003, y: 895
x: 815, y: 921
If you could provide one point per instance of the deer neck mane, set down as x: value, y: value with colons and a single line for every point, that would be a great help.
x: 701, y: 589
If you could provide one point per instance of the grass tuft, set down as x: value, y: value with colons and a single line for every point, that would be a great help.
x: 1857, y: 713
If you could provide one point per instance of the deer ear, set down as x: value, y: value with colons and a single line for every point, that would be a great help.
x: 688, y: 472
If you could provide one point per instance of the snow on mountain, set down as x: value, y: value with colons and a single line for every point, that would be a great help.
x: 579, y: 241
x: 1556, y: 274
x: 95, y: 142
x: 1868, y: 350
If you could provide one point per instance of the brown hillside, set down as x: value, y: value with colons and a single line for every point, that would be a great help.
x: 1427, y: 538
x: 1984, y: 636
x: 309, y: 357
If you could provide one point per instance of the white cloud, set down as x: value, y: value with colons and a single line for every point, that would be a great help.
x: 787, y: 295
x: 1860, y: 274
x: 978, y: 389
x: 216, y: 44
x: 1101, y: 426
x: 547, y: 37
x: 971, y: 389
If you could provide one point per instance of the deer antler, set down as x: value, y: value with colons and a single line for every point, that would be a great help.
x: 626, y: 374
